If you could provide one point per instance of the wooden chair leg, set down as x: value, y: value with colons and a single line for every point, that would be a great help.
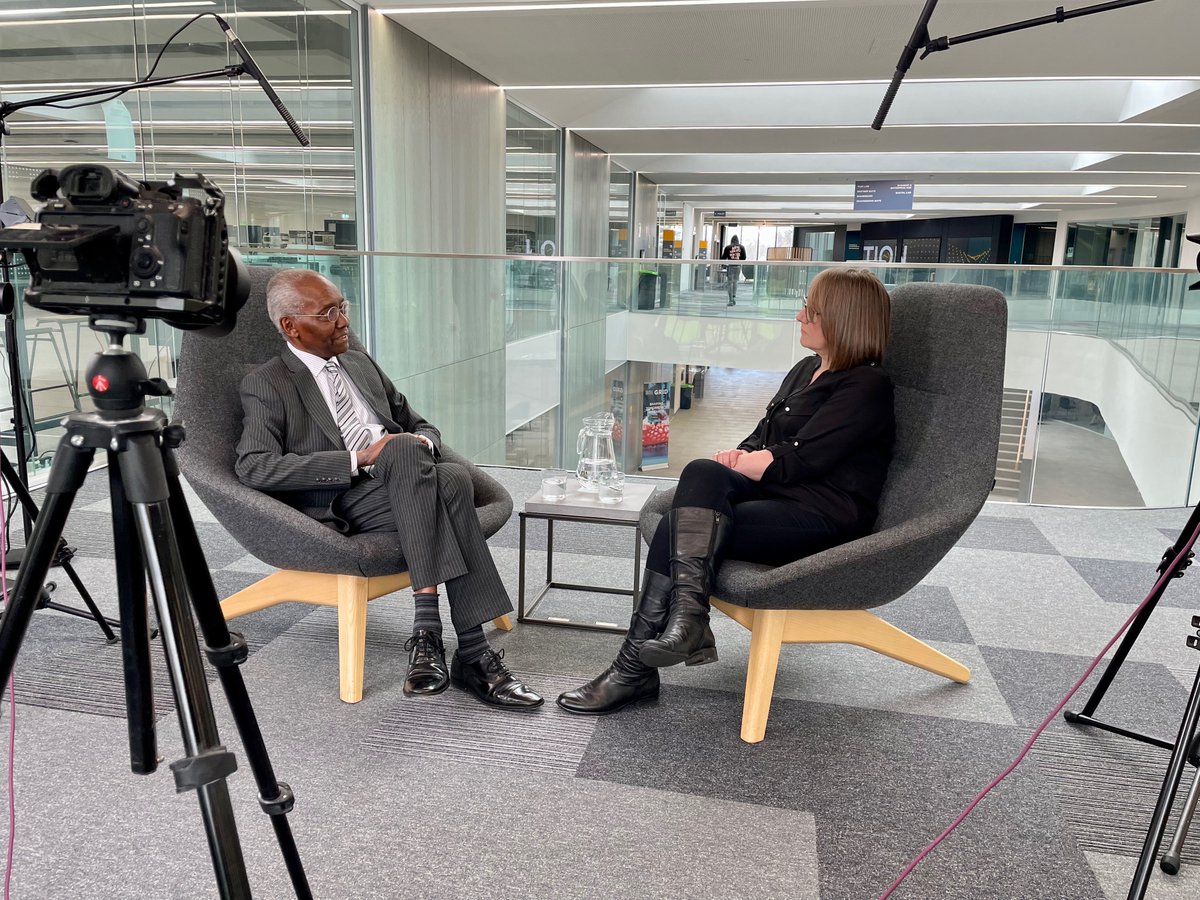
x: 883, y: 637
x: 352, y: 635
x: 502, y: 623
x: 766, y: 637
x: 281, y: 587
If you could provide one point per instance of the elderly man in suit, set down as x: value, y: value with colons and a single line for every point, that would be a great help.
x: 325, y: 431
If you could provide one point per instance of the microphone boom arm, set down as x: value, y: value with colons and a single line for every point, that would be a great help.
x: 921, y: 36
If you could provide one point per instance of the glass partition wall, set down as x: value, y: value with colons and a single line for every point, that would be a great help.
x: 1102, y: 384
x: 278, y: 194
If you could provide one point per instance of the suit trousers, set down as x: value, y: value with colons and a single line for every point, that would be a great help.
x: 431, y: 507
x: 766, y: 529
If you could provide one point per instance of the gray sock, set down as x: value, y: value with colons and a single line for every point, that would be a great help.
x: 472, y: 644
x: 426, y: 616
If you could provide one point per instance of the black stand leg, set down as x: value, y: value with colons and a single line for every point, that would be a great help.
x: 1174, y: 564
x: 135, y: 628
x: 62, y: 556
x: 227, y: 651
x: 1086, y: 717
x: 1166, y: 797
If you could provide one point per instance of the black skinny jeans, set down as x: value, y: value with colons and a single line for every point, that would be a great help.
x: 766, y: 529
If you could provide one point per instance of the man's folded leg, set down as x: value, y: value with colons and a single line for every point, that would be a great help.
x: 431, y: 507
x: 475, y: 598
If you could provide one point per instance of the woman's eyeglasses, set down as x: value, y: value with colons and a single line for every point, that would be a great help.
x: 809, y: 313
x: 330, y: 315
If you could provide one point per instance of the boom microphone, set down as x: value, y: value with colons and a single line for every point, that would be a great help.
x: 258, y: 75
x: 920, y: 37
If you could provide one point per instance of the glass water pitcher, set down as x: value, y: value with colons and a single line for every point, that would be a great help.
x: 597, y: 458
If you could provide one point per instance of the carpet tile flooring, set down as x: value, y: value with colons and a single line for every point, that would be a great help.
x: 865, y: 760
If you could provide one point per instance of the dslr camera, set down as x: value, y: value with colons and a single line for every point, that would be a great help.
x: 107, y: 245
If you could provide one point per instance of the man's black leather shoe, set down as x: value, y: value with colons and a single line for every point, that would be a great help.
x: 489, y: 680
x: 427, y: 673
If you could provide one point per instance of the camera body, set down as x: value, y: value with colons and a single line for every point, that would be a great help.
x: 108, y: 244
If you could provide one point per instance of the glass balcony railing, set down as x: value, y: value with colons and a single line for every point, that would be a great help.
x: 507, y: 354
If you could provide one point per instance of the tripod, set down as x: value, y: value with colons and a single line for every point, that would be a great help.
x: 147, y: 502
x: 1186, y: 747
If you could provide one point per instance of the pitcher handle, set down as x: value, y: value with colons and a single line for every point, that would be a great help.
x: 579, y: 442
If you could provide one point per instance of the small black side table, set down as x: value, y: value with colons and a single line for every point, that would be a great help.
x: 580, y: 506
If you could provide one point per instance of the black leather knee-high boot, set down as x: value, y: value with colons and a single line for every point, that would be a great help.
x: 698, y: 537
x: 627, y: 680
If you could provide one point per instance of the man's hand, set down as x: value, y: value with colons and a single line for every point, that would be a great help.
x: 368, y: 455
x: 752, y: 465
x: 728, y: 458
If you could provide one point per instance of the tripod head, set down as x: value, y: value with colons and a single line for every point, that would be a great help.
x: 117, y: 380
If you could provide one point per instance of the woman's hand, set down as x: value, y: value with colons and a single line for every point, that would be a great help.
x: 728, y: 458
x: 752, y: 465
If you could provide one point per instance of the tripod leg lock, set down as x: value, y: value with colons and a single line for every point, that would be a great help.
x: 282, y: 804
x: 234, y: 653
x: 204, y: 768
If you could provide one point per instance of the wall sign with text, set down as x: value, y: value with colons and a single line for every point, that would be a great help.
x: 887, y: 196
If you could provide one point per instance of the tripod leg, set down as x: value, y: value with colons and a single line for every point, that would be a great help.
x: 227, y: 651
x: 62, y: 555
x: 66, y: 476
x: 1162, y: 809
x: 207, y: 763
x: 135, y: 628
x: 1170, y: 859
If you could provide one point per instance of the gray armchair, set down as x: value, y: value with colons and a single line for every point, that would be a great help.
x: 317, y: 564
x: 946, y: 360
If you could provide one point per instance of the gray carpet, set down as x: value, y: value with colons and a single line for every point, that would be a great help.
x: 865, y: 759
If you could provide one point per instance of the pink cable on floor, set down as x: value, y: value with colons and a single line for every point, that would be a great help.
x: 12, y: 708
x: 1045, y: 723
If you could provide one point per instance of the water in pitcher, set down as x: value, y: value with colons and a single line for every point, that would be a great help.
x: 597, y: 457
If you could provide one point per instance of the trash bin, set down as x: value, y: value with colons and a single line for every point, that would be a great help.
x: 685, y: 396
x: 698, y: 385
x: 646, y: 285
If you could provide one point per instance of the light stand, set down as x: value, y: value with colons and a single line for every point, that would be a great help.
x: 1186, y: 747
x: 18, y: 480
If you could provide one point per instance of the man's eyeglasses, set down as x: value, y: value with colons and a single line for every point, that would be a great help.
x: 330, y: 315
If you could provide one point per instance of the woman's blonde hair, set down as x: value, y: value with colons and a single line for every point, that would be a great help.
x: 856, y: 316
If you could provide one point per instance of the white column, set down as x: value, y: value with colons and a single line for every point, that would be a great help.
x: 1189, y: 252
x: 1060, y: 242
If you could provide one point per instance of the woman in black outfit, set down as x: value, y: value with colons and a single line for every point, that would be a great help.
x: 808, y: 478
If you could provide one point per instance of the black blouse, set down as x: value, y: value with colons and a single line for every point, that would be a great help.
x: 832, y: 442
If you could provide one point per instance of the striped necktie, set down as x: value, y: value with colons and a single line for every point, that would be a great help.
x: 354, y: 432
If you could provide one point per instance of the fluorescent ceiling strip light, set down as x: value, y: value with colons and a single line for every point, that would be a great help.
x: 34, y: 87
x: 1026, y: 152
x: 51, y: 10
x: 568, y: 7
x: 844, y: 81
x: 918, y: 176
x: 276, y: 14
x: 606, y: 128
x: 1081, y: 199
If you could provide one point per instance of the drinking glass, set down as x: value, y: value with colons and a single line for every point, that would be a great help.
x: 554, y: 485
x: 612, y: 488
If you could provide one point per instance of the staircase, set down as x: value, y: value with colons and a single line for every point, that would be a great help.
x: 1014, y: 425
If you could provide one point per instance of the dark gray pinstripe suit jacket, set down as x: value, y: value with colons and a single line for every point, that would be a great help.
x: 291, y: 447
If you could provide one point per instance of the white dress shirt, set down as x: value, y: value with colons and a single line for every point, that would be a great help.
x: 362, y: 409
